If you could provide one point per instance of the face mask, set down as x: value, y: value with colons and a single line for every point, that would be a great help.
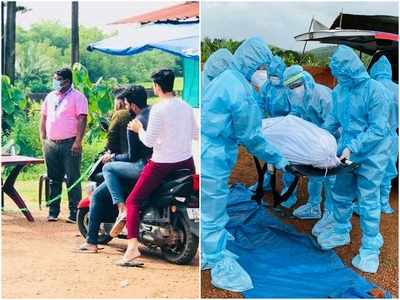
x: 343, y: 79
x: 259, y: 78
x: 57, y: 85
x: 298, y: 92
x: 274, y: 80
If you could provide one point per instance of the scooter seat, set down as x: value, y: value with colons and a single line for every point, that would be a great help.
x: 178, y: 181
x: 178, y: 174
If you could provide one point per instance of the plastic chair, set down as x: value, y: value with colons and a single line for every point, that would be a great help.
x: 46, y: 180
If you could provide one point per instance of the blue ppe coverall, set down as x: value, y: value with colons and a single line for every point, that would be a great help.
x: 274, y: 103
x: 382, y: 72
x: 251, y: 55
x: 230, y: 117
x: 361, y: 110
x: 216, y: 64
x: 314, y: 106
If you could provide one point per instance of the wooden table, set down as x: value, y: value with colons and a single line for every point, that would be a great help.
x: 18, y: 162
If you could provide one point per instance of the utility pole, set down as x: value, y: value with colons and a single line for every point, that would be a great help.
x: 9, y: 53
x: 75, y: 33
x: 2, y: 38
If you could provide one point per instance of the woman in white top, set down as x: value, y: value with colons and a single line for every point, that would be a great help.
x: 170, y: 132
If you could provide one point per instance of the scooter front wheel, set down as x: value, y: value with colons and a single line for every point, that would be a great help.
x: 83, y: 225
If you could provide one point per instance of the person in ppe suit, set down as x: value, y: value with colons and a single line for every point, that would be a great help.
x: 274, y: 103
x: 230, y: 117
x: 217, y: 62
x: 361, y: 110
x: 382, y: 72
x: 312, y: 102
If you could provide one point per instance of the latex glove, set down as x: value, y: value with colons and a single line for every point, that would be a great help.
x: 345, y: 154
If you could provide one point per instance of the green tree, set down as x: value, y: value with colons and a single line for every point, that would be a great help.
x: 35, y: 62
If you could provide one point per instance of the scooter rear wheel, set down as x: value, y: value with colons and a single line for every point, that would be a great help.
x: 185, y: 250
x: 83, y: 225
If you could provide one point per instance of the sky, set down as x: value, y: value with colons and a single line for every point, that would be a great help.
x: 276, y: 22
x: 279, y: 22
x: 91, y: 13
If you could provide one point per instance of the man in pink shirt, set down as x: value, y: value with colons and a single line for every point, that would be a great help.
x: 62, y: 127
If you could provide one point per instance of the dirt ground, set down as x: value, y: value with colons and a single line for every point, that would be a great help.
x: 386, y: 277
x: 39, y: 262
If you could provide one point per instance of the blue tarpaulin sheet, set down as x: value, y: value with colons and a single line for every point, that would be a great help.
x: 282, y: 262
x: 181, y: 40
x: 191, y: 81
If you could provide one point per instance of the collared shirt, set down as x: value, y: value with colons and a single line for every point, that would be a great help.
x: 62, y: 112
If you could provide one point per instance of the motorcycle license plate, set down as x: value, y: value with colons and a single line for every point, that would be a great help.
x: 193, y: 213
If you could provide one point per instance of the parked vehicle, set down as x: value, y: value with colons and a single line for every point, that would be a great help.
x: 373, y: 35
x: 169, y: 218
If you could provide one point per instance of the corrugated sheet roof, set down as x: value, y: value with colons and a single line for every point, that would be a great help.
x: 183, y: 11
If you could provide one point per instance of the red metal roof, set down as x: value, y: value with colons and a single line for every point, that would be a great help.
x: 186, y: 10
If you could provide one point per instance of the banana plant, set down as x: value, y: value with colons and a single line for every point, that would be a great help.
x: 100, y: 98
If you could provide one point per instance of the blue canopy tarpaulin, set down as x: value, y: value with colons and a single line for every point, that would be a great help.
x: 181, y: 40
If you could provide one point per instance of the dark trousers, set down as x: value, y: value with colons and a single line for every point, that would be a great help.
x: 61, y: 161
x: 101, y: 210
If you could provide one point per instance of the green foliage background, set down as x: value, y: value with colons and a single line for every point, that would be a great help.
x: 315, y: 57
x: 208, y: 46
x: 45, y: 47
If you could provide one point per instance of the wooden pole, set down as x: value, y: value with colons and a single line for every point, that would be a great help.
x: 3, y: 34
x: 9, y: 55
x: 75, y: 33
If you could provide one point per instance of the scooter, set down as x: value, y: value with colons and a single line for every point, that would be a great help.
x: 169, y: 218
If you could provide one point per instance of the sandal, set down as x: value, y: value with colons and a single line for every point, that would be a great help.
x: 129, y: 263
x: 87, y: 248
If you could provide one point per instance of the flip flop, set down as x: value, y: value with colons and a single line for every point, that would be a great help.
x: 129, y: 263
x: 86, y: 249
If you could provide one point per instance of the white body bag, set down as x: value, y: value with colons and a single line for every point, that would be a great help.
x: 301, y: 142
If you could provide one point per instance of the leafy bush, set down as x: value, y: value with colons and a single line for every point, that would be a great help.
x: 100, y: 98
x: 91, y: 151
x: 25, y: 134
x: 209, y: 46
x: 13, y: 103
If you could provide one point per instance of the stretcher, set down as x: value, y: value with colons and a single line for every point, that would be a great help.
x: 345, y: 166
